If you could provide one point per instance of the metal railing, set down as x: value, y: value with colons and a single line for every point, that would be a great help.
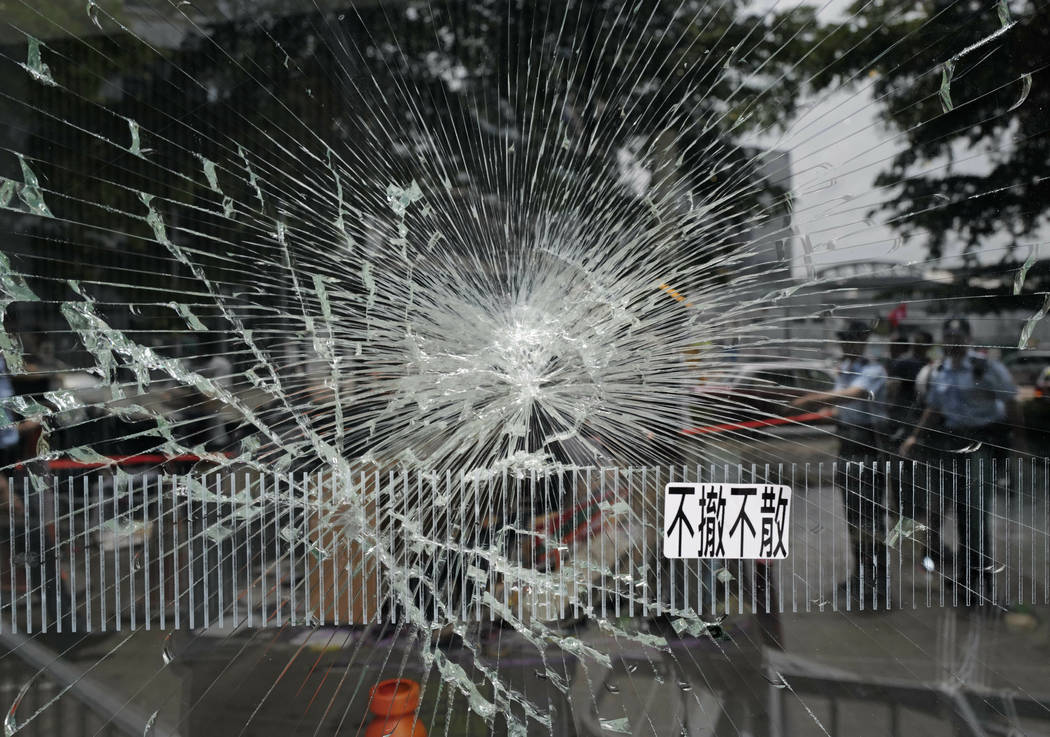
x: 91, y: 554
x: 829, y: 694
x: 51, y: 696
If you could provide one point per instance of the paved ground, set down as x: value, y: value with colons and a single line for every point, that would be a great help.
x: 843, y: 674
x: 808, y: 671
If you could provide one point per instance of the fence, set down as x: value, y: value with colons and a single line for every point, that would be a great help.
x: 99, y: 552
x: 49, y: 696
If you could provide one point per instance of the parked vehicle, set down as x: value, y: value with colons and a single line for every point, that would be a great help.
x: 1025, y: 366
x: 750, y: 392
x: 742, y: 413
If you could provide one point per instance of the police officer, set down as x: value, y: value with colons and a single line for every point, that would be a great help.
x: 903, y: 408
x: 858, y: 393
x: 969, y: 410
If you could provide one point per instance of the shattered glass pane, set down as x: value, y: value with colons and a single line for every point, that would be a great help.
x: 353, y: 353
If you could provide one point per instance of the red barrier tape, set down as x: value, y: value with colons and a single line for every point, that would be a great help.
x: 751, y: 424
x: 65, y: 465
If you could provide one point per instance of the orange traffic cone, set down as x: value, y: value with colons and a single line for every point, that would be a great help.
x: 393, y: 704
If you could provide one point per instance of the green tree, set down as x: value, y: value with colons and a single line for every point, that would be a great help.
x: 967, y: 84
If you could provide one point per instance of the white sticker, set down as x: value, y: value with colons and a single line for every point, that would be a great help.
x: 739, y: 521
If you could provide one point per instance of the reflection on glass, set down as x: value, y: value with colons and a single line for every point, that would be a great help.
x: 352, y: 350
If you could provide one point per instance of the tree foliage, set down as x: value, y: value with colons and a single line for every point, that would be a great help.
x: 967, y: 85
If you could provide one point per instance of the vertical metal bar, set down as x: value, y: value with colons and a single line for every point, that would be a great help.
x: 646, y: 564
x: 740, y: 563
x: 769, y: 568
x: 1020, y: 532
x: 1032, y: 542
x: 27, y: 547
x: 87, y: 548
x: 982, y: 538
x: 883, y: 566
x: 347, y: 492
x: 961, y: 543
x: 360, y: 598
x: 192, y: 507
x: 72, y: 556
x: 316, y: 560
x: 221, y: 518
x: 102, y: 588
x: 617, y: 486
x: 550, y: 597
x: 429, y: 526
x: 994, y: 481
x: 273, y: 497
x: 41, y: 513
x: 563, y: 588
x: 780, y: 563
x: 292, y: 495
x: 590, y: 505
x: 27, y: 533
x: 686, y: 576
x: 521, y: 517
x: 850, y: 552
x: 888, y: 476
x: 11, y: 495
x: 176, y: 546
x: 477, y: 537
x: 859, y: 492
x: 820, y: 529
x: 712, y: 584
x: 929, y: 532
x: 725, y: 563
x: 658, y: 523
x: 249, y: 557
x: 235, y: 591
x: 900, y: 521
x: 914, y: 509
x: 503, y: 523
x: 350, y: 492
x: 940, y: 502
x: 529, y: 517
x: 671, y: 563
x: 970, y: 543
x: 273, y: 593
x: 360, y: 552
x: 699, y: 564
x: 147, y: 558
x: 117, y: 602
x: 378, y: 554
x: 342, y: 488
x: 834, y: 535
x: 132, y: 603
x: 461, y: 584
x: 602, y: 531
x: 311, y: 535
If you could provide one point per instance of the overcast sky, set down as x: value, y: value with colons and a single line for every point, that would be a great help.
x: 838, y: 147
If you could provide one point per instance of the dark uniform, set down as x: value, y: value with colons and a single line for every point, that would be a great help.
x: 857, y: 471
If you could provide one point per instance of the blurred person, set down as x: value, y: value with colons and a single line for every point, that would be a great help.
x: 969, y: 412
x: 922, y: 344
x: 858, y: 394
x: 901, y: 370
x: 908, y: 358
x: 10, y: 441
x: 903, y: 404
x: 29, y: 538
